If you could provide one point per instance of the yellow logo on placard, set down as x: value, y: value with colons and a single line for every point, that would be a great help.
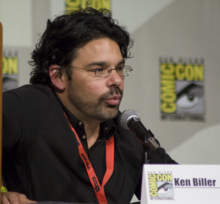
x: 72, y: 5
x: 161, y: 186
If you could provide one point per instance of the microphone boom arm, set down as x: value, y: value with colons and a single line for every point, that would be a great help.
x: 142, y: 133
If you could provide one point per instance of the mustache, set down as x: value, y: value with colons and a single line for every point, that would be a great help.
x: 113, y: 91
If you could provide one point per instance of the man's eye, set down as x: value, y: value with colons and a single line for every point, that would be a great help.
x: 99, y: 70
x: 120, y: 68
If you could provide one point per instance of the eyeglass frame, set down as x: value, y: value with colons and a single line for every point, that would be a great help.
x: 108, y: 68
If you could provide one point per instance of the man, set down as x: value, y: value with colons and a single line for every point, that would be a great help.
x: 62, y: 140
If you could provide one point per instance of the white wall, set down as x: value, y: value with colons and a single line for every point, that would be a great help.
x: 134, y: 13
x: 16, y: 17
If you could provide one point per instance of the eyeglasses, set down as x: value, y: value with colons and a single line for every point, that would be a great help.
x: 103, y: 72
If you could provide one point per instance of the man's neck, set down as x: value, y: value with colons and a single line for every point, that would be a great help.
x: 92, y: 132
x: 91, y: 125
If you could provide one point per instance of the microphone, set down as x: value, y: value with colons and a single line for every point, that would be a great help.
x: 130, y: 120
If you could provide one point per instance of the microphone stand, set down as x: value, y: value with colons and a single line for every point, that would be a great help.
x: 148, y: 139
x: 151, y: 142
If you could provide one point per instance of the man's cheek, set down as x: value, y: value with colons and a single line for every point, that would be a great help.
x: 95, y: 88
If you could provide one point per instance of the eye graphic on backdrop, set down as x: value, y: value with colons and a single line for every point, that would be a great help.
x: 165, y: 188
x: 189, y: 96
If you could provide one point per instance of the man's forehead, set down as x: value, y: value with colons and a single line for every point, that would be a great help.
x: 101, y: 51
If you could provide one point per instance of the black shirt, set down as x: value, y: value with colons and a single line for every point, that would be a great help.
x: 41, y: 158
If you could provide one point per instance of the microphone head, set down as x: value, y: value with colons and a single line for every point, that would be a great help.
x: 126, y: 116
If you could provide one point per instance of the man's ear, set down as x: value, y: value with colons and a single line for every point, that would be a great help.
x: 57, y: 77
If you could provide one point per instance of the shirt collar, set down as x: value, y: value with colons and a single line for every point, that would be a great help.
x: 108, y: 128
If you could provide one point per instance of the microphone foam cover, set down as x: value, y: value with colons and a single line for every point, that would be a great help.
x: 126, y: 116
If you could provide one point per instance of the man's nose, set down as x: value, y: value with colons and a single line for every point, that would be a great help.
x: 115, y: 79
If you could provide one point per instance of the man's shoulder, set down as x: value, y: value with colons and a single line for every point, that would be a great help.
x: 28, y: 89
x: 29, y: 92
x: 30, y: 98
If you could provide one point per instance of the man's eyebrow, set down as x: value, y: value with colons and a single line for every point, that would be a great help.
x: 121, y: 62
x: 104, y: 63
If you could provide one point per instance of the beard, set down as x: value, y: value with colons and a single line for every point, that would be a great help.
x: 98, y: 109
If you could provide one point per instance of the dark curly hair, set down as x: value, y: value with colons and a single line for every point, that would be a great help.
x: 67, y: 33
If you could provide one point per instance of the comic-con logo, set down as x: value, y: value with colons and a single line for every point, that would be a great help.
x: 182, y: 85
x: 10, y: 71
x: 161, y: 186
x: 72, y: 5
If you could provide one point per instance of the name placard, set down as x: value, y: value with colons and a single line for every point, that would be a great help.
x: 180, y: 184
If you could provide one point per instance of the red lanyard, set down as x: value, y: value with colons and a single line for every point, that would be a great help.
x: 99, y: 189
